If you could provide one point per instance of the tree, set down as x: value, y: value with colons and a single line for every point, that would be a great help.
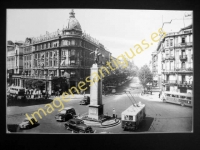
x: 145, y: 75
x: 39, y: 84
x: 29, y: 83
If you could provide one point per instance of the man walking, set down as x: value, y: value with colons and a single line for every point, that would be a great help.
x: 160, y: 93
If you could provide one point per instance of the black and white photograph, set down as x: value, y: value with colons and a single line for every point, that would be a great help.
x: 99, y: 71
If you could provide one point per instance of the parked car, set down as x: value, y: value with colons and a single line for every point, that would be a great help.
x: 66, y: 114
x: 77, y: 125
x: 26, y: 124
x: 85, y: 101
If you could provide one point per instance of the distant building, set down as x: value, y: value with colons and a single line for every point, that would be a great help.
x: 176, y: 60
x: 14, y: 61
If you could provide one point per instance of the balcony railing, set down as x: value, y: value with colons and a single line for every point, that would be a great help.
x: 183, y: 57
x: 184, y: 44
x: 170, y: 57
x: 177, y: 82
x: 184, y: 69
x: 170, y: 81
x: 185, y: 82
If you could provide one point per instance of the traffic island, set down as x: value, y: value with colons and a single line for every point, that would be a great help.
x: 103, y: 122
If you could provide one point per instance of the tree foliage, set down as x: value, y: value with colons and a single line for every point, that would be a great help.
x: 39, y: 84
x: 145, y: 75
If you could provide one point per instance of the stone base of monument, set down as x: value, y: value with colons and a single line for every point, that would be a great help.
x: 95, y: 112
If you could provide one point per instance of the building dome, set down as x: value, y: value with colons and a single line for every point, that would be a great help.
x: 73, y: 22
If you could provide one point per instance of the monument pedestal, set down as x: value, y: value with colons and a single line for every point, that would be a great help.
x: 96, y: 106
x: 95, y: 111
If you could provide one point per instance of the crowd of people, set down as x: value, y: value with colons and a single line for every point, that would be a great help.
x: 35, y: 93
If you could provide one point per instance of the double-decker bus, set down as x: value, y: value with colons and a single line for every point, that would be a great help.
x: 184, y: 99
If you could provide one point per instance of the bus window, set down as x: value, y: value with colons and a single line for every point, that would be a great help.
x: 173, y: 95
x: 168, y: 95
x: 130, y: 117
x: 126, y: 117
x: 189, y: 98
x: 182, y: 96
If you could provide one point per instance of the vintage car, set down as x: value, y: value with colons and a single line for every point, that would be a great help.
x: 66, y: 114
x: 85, y: 101
x: 26, y: 124
x: 77, y: 125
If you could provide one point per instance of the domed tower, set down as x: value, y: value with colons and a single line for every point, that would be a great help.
x: 73, y: 22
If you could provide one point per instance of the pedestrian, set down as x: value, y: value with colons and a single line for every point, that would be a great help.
x: 160, y: 93
x: 113, y: 113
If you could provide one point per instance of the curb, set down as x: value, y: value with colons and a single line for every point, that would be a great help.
x: 104, y: 126
x: 147, y: 98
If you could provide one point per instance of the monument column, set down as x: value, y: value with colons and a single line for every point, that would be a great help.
x: 96, y: 106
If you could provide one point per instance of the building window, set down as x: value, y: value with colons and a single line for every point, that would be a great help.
x: 47, y: 62
x: 55, y: 62
x: 171, y: 42
x: 167, y: 42
x: 73, y: 42
x: 183, y: 39
x: 72, y: 52
x: 72, y: 62
x: 50, y: 63
x: 183, y: 65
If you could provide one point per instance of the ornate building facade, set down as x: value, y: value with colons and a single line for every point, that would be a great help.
x: 176, y: 61
x: 64, y: 53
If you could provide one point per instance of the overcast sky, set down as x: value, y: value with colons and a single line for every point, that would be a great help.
x: 117, y: 29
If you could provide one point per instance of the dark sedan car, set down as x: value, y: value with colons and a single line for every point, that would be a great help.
x: 77, y: 125
x: 85, y: 101
x: 66, y: 114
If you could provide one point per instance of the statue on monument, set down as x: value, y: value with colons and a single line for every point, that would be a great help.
x: 96, y: 54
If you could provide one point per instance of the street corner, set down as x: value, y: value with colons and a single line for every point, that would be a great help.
x: 153, y: 97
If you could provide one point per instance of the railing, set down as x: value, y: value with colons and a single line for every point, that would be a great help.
x: 185, y: 82
x: 178, y: 82
x: 170, y: 57
x: 183, y: 57
x: 184, y: 44
x: 184, y: 69
x: 170, y: 81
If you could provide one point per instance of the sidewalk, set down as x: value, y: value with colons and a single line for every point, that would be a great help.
x: 153, y: 97
x: 76, y: 96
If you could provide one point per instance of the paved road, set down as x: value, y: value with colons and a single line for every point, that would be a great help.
x: 161, y: 117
